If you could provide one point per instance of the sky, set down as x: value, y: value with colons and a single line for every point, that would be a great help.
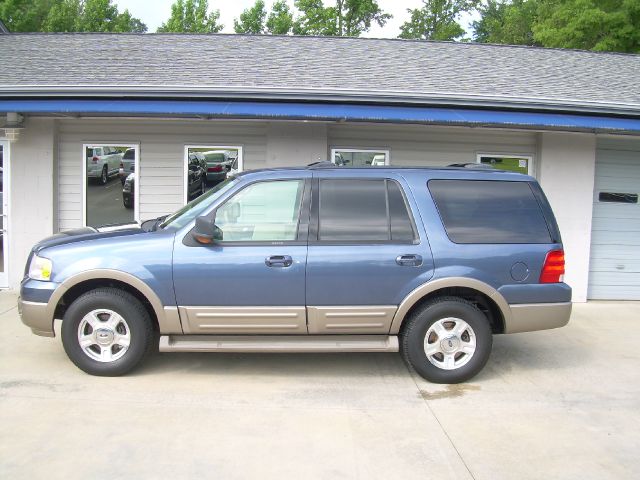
x: 154, y: 12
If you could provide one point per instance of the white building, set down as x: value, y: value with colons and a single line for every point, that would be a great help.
x: 69, y: 101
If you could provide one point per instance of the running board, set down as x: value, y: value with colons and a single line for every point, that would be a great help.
x: 279, y: 343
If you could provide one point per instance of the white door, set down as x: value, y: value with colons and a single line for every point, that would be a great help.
x: 4, y: 241
x: 614, y: 269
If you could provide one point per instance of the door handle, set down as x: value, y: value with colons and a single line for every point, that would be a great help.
x: 409, y: 260
x: 278, y: 261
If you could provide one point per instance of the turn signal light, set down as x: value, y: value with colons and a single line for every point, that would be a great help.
x: 553, y: 268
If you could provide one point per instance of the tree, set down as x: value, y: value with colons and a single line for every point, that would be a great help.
x: 252, y: 20
x: 280, y: 21
x: 506, y: 22
x: 24, y: 15
x: 348, y: 18
x: 64, y: 16
x: 191, y: 16
x: 437, y: 20
x: 604, y: 25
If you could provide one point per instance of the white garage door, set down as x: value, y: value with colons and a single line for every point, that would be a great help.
x: 614, y: 270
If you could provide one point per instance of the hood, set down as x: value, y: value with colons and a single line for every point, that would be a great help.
x: 87, y: 233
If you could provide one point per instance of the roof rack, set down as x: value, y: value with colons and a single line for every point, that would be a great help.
x: 321, y: 164
x: 471, y: 165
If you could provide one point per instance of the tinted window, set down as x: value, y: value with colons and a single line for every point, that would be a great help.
x: 614, y: 197
x: 401, y: 224
x: 361, y: 210
x: 489, y: 211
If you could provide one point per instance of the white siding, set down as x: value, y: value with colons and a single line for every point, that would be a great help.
x: 614, y: 271
x: 161, y: 157
x: 418, y: 145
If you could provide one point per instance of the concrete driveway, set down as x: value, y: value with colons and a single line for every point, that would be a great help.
x: 558, y: 404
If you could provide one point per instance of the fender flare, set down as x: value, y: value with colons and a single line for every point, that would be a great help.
x: 167, y: 316
x: 426, y: 288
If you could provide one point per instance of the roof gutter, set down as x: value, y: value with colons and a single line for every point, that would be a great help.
x: 384, y: 97
x: 325, y: 112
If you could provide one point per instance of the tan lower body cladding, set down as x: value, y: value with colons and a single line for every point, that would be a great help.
x: 287, y: 320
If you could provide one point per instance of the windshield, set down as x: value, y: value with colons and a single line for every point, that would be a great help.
x: 192, y: 209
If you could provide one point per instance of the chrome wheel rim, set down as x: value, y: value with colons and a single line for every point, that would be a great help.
x: 103, y: 335
x: 450, y: 343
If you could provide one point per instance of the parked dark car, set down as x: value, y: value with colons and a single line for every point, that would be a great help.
x: 127, y: 165
x: 431, y: 262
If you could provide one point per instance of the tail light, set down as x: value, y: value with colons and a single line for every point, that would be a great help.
x: 553, y: 268
x: 94, y: 159
x: 215, y: 168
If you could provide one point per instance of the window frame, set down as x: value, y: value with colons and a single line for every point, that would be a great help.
x: 385, y: 150
x: 314, y: 225
x: 528, y: 156
x: 136, y: 173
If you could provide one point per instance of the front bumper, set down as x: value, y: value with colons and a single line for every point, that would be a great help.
x: 530, y: 317
x: 35, y: 316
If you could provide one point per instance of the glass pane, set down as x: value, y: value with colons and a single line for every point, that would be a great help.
x: 111, y: 185
x: 475, y: 211
x: 401, y: 225
x: 359, y: 158
x: 615, y: 197
x: 511, y: 164
x: 353, y: 210
x: 263, y: 212
x: 208, y: 166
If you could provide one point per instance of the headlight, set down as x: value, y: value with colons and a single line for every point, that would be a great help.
x: 40, y: 268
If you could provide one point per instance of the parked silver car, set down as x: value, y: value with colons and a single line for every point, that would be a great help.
x: 102, y: 163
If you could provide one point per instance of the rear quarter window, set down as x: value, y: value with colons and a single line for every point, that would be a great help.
x: 480, y: 211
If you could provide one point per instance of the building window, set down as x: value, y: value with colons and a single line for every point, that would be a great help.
x: 355, y: 157
x: 512, y: 163
x: 206, y: 166
x: 110, y: 183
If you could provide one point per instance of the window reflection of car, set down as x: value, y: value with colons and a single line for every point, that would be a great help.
x: 340, y: 161
x: 217, y: 161
x: 102, y: 163
x: 378, y: 160
x: 128, y: 190
x: 196, y: 175
x: 127, y: 164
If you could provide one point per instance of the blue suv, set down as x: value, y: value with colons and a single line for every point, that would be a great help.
x: 430, y: 262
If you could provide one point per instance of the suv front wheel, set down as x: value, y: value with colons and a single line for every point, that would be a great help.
x: 448, y: 340
x: 107, y: 332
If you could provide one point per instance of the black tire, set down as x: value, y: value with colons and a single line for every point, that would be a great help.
x: 140, y: 330
x: 127, y: 203
x: 412, y: 340
x: 104, y: 177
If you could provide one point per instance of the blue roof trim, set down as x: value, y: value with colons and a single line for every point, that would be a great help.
x: 335, y: 112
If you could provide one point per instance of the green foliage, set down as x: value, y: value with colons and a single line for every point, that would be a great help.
x: 506, y: 22
x: 280, y: 21
x: 348, y: 18
x: 605, y: 25
x: 24, y: 15
x: 437, y: 20
x: 602, y: 25
x: 67, y: 16
x: 191, y: 16
x: 252, y: 19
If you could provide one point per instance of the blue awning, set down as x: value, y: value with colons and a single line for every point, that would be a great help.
x: 328, y: 112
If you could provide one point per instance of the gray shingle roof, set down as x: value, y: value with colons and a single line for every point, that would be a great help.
x: 319, y: 68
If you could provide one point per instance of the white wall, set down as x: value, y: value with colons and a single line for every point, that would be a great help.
x: 566, y: 172
x: 32, y: 212
x: 295, y: 144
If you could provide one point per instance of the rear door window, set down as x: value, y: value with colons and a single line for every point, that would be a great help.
x: 356, y: 210
x: 479, y: 211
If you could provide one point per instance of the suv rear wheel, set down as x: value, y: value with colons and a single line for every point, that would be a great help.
x: 448, y: 340
x: 107, y: 332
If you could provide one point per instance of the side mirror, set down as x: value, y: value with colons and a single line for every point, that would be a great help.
x: 206, y: 231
